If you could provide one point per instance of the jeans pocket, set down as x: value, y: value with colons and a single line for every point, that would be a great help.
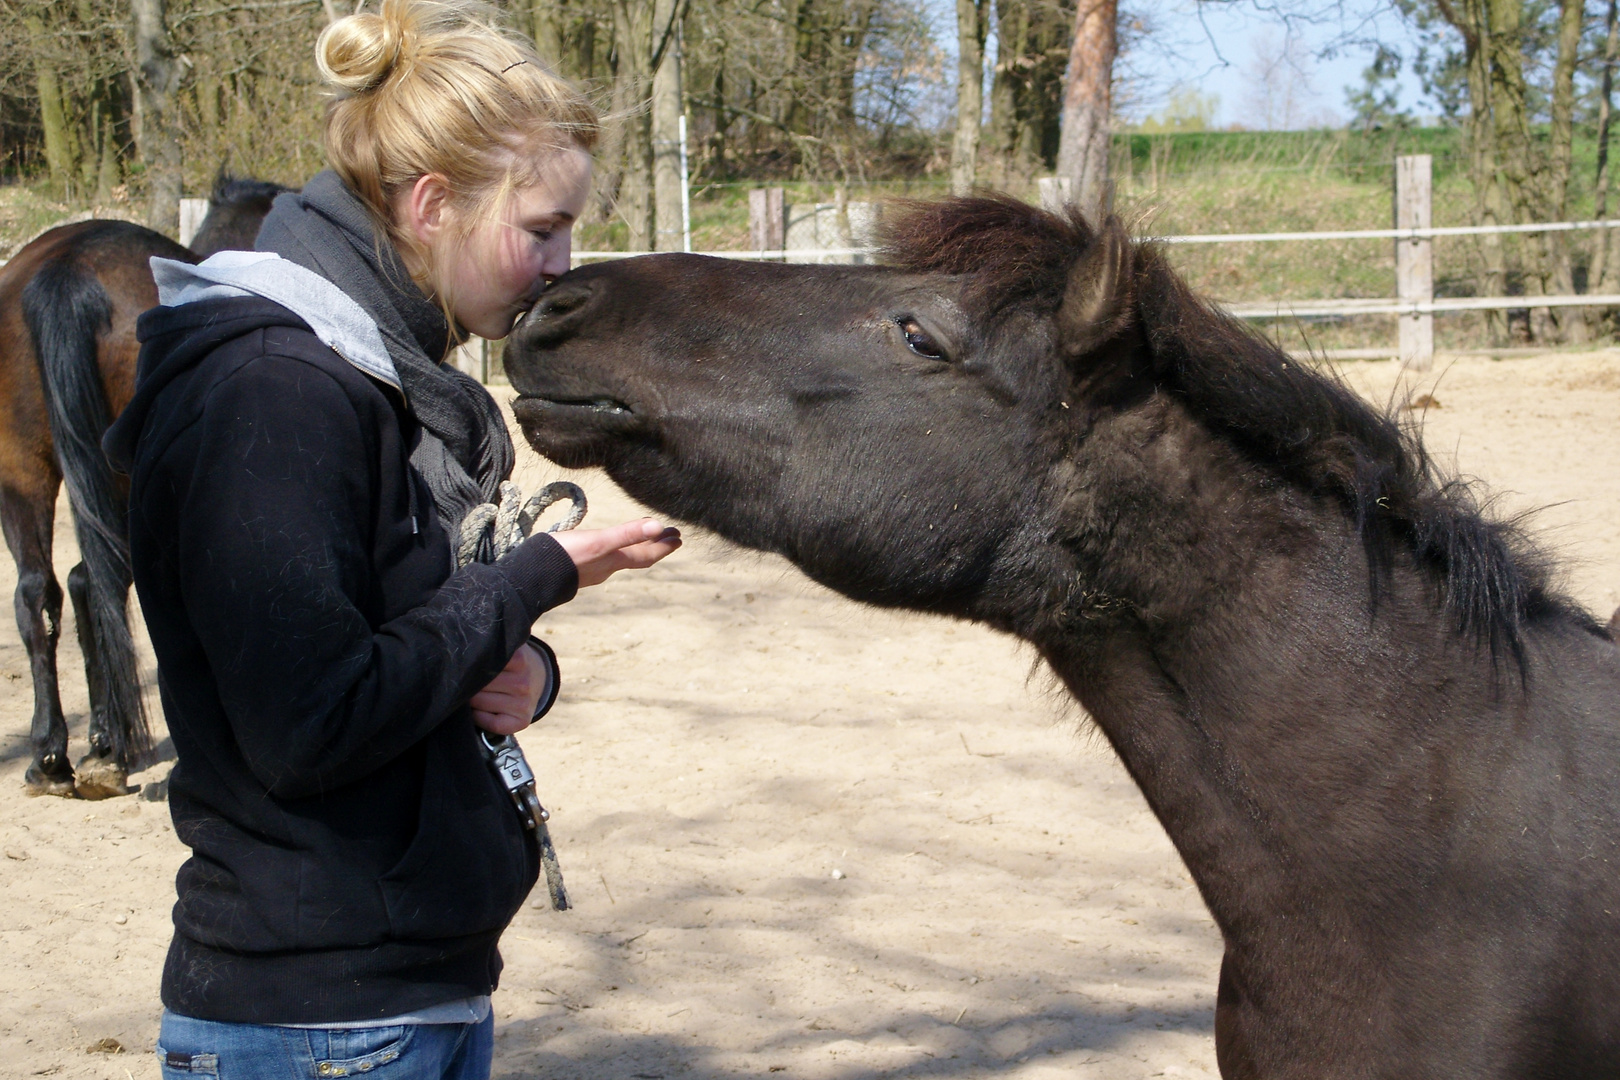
x: 357, y: 1051
x: 178, y: 1066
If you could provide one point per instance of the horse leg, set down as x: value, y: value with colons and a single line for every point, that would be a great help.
x: 28, y: 525
x: 1234, y: 1053
x: 101, y: 773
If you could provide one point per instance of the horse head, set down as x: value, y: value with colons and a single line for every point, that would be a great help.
x: 897, y: 431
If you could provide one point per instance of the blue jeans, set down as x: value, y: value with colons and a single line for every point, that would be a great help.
x: 192, y: 1049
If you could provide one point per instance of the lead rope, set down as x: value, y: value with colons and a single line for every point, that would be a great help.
x: 488, y: 532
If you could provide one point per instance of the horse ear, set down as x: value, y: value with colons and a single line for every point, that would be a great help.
x: 1097, y: 302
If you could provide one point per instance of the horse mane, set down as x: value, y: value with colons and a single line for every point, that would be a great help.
x: 232, y: 190
x: 1297, y: 418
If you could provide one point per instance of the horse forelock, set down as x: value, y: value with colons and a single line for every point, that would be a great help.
x: 1013, y: 251
x: 1299, y: 419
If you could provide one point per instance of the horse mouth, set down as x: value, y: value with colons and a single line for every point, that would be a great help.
x: 576, y: 432
x: 543, y: 409
x: 599, y: 406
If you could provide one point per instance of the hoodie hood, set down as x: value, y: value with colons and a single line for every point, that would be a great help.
x: 342, y: 325
x: 234, y: 293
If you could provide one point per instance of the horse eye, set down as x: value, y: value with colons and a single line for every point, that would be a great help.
x: 918, y: 341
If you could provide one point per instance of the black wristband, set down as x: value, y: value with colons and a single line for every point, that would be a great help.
x: 548, y: 697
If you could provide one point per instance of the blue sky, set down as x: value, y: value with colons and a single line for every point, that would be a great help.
x: 1222, y: 48
x: 1219, y: 47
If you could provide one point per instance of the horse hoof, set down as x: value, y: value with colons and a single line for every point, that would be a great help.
x: 101, y: 778
x: 38, y: 782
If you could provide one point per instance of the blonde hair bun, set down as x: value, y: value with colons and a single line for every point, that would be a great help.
x: 360, y: 52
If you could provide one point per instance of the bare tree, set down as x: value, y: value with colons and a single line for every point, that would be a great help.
x: 1279, y: 87
x: 1083, y: 152
x: 1601, y: 272
x: 972, y: 26
x: 1033, y: 40
x: 668, y: 104
x: 158, y: 75
x: 1555, y: 202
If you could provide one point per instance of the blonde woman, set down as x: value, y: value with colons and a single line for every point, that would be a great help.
x: 300, y: 458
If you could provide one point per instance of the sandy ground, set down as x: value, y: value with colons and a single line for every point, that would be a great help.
x: 803, y: 837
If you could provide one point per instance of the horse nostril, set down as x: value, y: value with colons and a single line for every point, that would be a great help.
x: 549, y: 319
x: 562, y: 299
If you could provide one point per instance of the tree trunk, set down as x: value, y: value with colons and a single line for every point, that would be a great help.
x: 157, y: 80
x: 667, y: 105
x: 972, y: 24
x: 59, y: 157
x: 632, y: 35
x: 108, y: 174
x: 1520, y: 167
x: 1600, y: 278
x: 1570, y: 322
x: 1472, y: 20
x: 1088, y: 105
x: 545, y: 19
x: 1012, y: 38
x: 89, y: 139
x: 1033, y: 39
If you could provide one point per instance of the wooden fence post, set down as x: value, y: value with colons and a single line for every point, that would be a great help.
x: 192, y: 212
x: 1414, y: 258
x: 767, y: 219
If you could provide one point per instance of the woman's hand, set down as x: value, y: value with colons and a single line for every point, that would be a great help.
x: 506, y: 706
x: 635, y: 545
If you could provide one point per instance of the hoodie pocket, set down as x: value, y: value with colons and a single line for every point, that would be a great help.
x: 471, y: 863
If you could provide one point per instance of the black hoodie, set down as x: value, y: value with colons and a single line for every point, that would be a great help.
x: 353, y: 855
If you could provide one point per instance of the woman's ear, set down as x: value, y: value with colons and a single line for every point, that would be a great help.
x: 423, y: 209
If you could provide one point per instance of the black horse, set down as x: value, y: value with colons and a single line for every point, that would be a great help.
x: 1386, y: 748
x: 68, y: 304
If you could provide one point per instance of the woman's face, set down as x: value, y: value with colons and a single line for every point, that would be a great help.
x: 495, y: 274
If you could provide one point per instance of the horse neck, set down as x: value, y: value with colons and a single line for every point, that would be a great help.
x: 1227, y: 645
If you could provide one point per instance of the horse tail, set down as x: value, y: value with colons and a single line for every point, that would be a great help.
x: 66, y: 310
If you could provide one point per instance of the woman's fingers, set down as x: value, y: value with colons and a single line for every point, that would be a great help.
x: 634, y: 545
x: 590, y: 544
x: 642, y: 555
x: 507, y: 704
x: 493, y: 699
x: 499, y: 723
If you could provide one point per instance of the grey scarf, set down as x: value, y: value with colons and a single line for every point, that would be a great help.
x: 465, y: 451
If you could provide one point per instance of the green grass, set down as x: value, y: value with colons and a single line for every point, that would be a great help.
x: 26, y: 210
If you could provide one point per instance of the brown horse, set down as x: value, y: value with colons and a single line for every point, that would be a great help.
x: 68, y: 304
x: 1385, y: 748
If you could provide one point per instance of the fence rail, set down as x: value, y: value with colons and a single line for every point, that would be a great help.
x: 1414, y: 233
x: 1284, y: 309
x: 1194, y: 238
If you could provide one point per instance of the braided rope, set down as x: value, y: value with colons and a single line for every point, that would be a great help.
x: 505, y: 525
x: 488, y: 532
